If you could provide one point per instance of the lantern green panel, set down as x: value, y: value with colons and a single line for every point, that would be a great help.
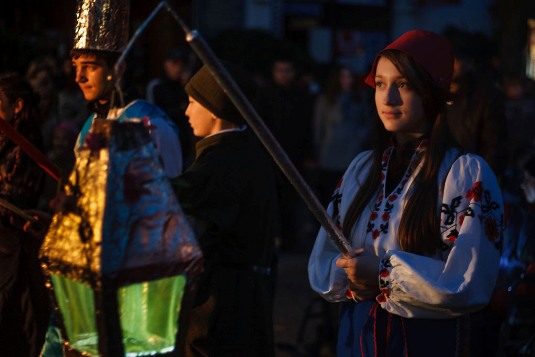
x: 149, y: 313
x: 77, y: 304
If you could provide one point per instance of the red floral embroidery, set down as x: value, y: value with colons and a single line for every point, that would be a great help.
x: 381, y: 298
x: 491, y: 229
x: 452, y: 237
x: 384, y: 273
x: 475, y: 192
x: 375, y: 234
x: 373, y: 217
x: 385, y: 291
x: 392, y: 198
x: 386, y: 216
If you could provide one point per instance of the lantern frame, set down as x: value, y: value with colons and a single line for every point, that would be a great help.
x: 140, y: 255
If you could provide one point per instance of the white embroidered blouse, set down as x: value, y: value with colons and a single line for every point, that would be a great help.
x: 460, y: 279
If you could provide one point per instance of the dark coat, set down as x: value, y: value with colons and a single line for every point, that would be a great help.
x: 229, y: 194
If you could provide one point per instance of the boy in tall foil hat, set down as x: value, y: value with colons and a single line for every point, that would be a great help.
x: 101, y: 34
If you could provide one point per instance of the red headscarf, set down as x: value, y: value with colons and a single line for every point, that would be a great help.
x: 432, y: 51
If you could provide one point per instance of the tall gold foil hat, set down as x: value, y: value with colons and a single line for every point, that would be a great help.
x: 101, y: 25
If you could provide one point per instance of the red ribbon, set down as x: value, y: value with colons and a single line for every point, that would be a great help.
x: 30, y: 149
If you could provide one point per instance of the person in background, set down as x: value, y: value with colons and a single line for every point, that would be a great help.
x: 42, y: 75
x: 24, y: 308
x: 342, y: 127
x: 476, y: 112
x: 425, y: 219
x: 525, y: 249
x: 519, y: 327
x: 286, y: 108
x: 229, y: 197
x: 61, y: 154
x: 168, y: 93
x: 176, y: 68
x: 520, y: 111
x: 477, y: 119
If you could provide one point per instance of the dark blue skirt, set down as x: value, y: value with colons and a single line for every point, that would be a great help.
x: 367, y: 330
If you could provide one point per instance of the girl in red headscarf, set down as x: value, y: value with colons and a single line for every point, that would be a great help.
x: 424, y: 218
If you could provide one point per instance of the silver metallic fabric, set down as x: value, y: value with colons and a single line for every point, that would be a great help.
x: 102, y: 25
x: 119, y: 219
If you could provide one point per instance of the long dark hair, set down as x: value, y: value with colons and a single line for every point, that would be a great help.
x: 419, y: 228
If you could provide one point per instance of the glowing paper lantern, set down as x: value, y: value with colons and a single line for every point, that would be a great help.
x: 120, y: 255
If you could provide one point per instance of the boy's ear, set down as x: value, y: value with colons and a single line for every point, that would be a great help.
x: 112, y: 73
x: 19, y: 105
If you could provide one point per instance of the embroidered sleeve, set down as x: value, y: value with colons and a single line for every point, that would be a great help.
x: 324, y: 276
x: 385, y: 268
x: 471, y: 224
